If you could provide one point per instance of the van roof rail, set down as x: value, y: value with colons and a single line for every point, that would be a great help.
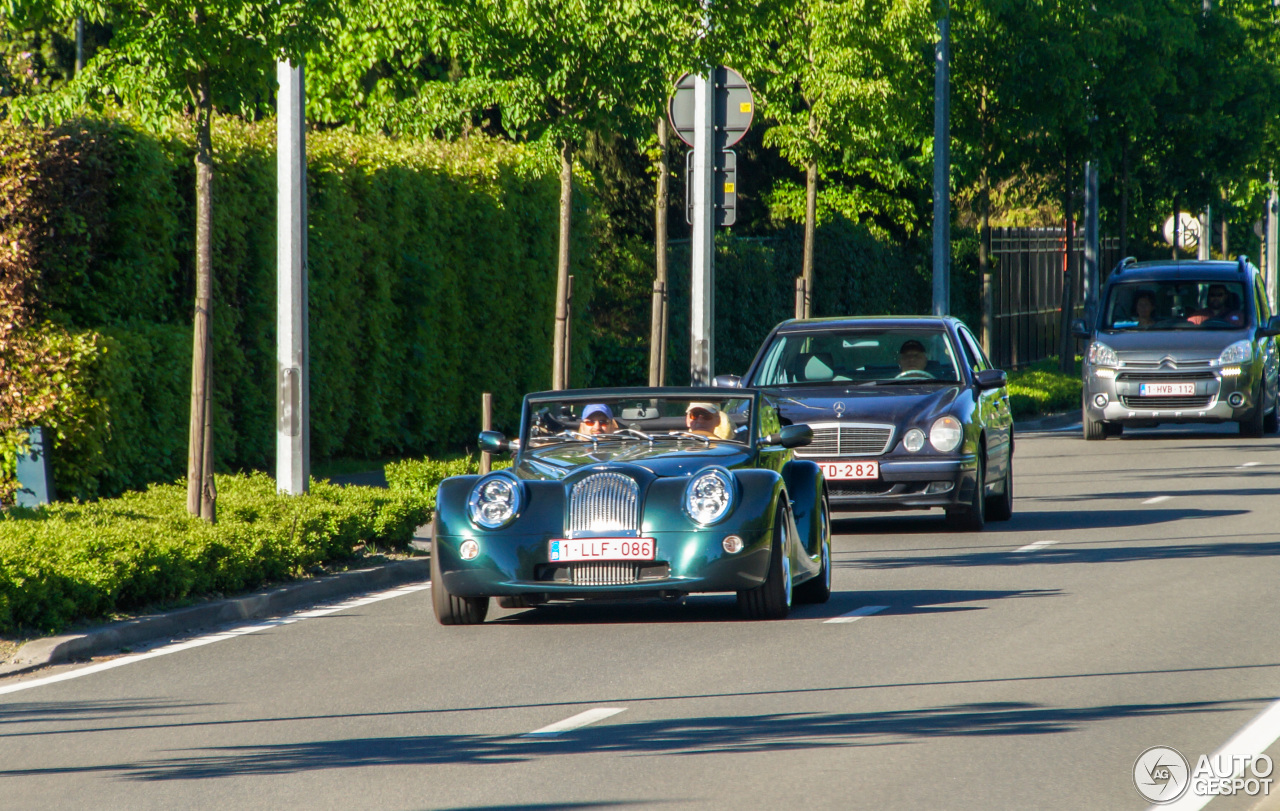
x: 1242, y: 262
x: 1124, y: 263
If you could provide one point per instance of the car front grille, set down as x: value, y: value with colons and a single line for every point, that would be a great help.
x: 1168, y: 403
x: 1160, y: 377
x: 604, y: 574
x: 833, y: 439
x: 603, y: 503
x: 1167, y: 365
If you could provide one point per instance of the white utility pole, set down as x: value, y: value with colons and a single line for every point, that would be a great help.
x: 702, y: 321
x: 293, y: 399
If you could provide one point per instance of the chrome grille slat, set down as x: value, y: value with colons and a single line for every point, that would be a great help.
x: 1167, y: 403
x: 605, y: 574
x: 1171, y: 375
x: 836, y: 439
x: 603, y: 503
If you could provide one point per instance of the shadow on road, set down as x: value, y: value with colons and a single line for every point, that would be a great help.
x: 1068, y: 553
x: 1024, y: 521
x: 670, y: 736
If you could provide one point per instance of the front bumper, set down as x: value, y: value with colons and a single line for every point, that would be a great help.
x: 909, y: 484
x: 1120, y: 400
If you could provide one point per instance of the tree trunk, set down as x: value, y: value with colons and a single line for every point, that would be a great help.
x: 201, y: 495
x: 1222, y: 206
x: 1067, y: 354
x: 658, y: 324
x: 810, y: 220
x: 559, y: 363
x: 984, y: 236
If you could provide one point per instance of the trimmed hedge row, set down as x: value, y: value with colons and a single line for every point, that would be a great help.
x: 1042, y: 389
x: 432, y: 273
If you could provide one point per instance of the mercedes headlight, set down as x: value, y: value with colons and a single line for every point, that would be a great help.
x: 913, y: 440
x: 709, y: 496
x: 1102, y: 355
x: 494, y: 502
x: 1238, y: 352
x: 946, y: 433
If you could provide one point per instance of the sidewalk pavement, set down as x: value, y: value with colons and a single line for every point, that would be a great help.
x: 268, y: 602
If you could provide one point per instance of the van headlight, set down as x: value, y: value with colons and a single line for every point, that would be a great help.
x: 1102, y: 355
x: 1238, y: 352
x: 946, y: 433
x: 494, y: 501
x: 709, y: 496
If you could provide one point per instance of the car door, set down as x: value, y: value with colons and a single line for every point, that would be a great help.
x: 1267, y: 344
x: 993, y: 410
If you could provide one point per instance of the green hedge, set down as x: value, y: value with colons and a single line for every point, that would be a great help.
x: 73, y: 561
x: 432, y: 273
x: 1042, y: 389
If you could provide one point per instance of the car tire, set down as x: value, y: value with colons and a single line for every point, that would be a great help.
x: 1093, y: 429
x: 818, y: 589
x: 451, y: 609
x: 771, y: 600
x: 1271, y: 421
x: 1000, y: 506
x: 1254, y: 425
x: 973, y: 517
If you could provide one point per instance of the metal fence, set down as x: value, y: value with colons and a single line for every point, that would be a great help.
x: 1029, y: 266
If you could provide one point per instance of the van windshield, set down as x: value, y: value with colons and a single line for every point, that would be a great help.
x: 1176, y: 304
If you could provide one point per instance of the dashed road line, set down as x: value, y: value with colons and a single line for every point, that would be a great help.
x: 208, y: 639
x: 1035, y: 547
x: 857, y: 614
x: 1247, y: 464
x: 578, y: 721
x: 1157, y: 499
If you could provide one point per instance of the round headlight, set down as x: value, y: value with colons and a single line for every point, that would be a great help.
x: 946, y: 433
x: 709, y: 496
x: 494, y: 502
x: 913, y: 440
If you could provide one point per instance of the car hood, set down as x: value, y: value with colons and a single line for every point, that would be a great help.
x: 896, y: 404
x: 664, y: 458
x: 1179, y: 344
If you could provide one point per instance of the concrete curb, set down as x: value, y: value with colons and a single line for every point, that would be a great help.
x: 52, y: 650
x: 1048, y: 422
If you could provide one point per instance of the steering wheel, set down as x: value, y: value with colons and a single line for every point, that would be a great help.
x: 914, y: 374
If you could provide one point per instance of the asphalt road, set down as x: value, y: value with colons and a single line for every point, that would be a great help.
x: 1130, y: 603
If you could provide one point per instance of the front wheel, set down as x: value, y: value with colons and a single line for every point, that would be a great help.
x: 972, y: 517
x: 818, y: 590
x: 1000, y: 506
x: 771, y: 600
x: 450, y: 609
x: 1254, y: 425
x: 1093, y: 429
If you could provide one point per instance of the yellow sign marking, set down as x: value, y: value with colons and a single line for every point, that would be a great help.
x: 728, y: 188
x: 744, y: 107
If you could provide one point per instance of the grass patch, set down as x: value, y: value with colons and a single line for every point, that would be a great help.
x: 1042, y: 389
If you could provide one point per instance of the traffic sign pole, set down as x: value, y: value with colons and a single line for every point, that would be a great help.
x: 702, y: 293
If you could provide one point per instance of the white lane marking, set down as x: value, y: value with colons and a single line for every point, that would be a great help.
x: 578, y: 721
x: 858, y: 613
x: 209, y: 639
x: 1247, y: 464
x: 1254, y: 739
x: 1157, y: 499
x: 1035, y: 547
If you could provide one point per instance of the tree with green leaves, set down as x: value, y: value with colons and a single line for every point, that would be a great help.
x: 179, y: 57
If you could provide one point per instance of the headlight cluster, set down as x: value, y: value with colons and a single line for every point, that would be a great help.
x: 494, y: 502
x: 1238, y: 352
x: 1102, y: 355
x: 945, y: 435
x: 709, y: 496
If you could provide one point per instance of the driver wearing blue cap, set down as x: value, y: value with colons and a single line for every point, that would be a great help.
x: 597, y: 418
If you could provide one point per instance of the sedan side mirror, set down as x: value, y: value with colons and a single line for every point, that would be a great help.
x: 991, y: 379
x: 727, y: 382
x: 493, y: 442
x: 791, y: 436
x: 1078, y: 329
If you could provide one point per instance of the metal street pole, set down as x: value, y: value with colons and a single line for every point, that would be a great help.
x: 293, y: 399
x: 1091, y: 280
x: 702, y: 292
x: 1273, y: 238
x: 942, y: 168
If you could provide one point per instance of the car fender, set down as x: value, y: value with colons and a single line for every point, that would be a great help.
x: 805, y: 488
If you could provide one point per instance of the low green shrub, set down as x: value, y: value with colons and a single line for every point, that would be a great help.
x: 74, y: 560
x: 422, y: 476
x: 1042, y: 389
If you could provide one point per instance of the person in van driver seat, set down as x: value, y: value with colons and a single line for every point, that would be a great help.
x: 1217, y: 309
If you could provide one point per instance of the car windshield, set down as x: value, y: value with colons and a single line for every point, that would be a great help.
x: 1175, y: 305
x: 863, y: 356
x: 598, y: 419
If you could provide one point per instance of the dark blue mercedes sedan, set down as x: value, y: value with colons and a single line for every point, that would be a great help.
x: 907, y: 412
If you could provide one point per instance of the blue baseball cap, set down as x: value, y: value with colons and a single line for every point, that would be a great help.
x: 597, y: 408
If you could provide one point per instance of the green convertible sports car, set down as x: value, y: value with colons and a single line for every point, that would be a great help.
x: 641, y: 492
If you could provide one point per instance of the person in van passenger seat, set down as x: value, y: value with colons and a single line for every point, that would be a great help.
x: 1217, y: 308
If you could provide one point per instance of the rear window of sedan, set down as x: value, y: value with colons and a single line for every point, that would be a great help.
x: 857, y: 356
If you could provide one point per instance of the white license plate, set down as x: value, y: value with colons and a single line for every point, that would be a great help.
x: 1166, y: 389
x: 850, y: 470
x: 601, y: 549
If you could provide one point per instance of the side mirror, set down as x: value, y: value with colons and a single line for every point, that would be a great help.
x: 493, y: 442
x: 791, y: 436
x: 1272, y: 327
x: 727, y: 382
x: 1078, y: 329
x: 991, y: 379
